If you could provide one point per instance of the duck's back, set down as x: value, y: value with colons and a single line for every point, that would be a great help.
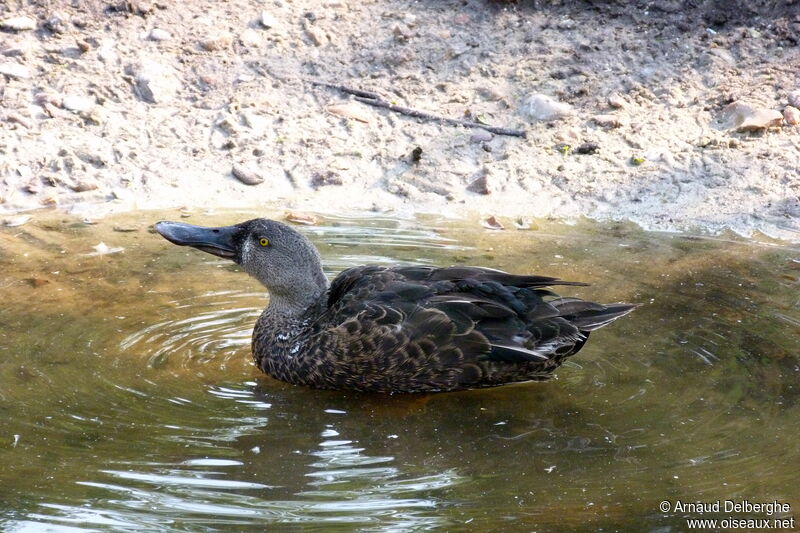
x: 419, y: 328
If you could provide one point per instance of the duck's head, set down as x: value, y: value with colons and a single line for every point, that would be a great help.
x: 282, y: 259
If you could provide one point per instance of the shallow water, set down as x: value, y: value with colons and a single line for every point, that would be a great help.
x: 128, y: 399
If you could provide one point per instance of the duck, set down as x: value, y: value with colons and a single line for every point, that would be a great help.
x: 397, y: 329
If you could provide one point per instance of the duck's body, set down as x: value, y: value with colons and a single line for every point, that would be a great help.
x: 400, y: 329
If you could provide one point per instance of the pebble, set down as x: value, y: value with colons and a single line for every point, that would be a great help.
x: 15, y: 70
x: 543, y: 107
x: 481, y: 136
x: 268, y: 20
x: 317, y: 36
x: 246, y: 176
x: 18, y: 23
x: 83, y: 186
x: 56, y: 22
x: 250, y: 38
x: 18, y: 220
x: 301, y: 218
x: 791, y: 115
x: 77, y: 104
x: 154, y: 83
x: 492, y: 223
x: 157, y: 34
x: 351, y: 111
x: 587, y: 149
x: 607, y: 121
x: 480, y: 184
x: 217, y: 42
x: 743, y: 117
x: 616, y: 101
x: 794, y: 99
x: 19, y: 119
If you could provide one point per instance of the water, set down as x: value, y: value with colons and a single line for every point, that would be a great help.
x: 128, y: 400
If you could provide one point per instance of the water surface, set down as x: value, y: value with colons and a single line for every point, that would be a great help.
x: 128, y: 399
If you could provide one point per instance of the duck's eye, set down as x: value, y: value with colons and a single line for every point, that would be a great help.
x: 263, y: 241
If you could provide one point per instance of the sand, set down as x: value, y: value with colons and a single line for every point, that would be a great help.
x: 114, y: 106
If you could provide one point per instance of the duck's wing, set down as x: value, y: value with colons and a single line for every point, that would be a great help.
x: 456, y: 327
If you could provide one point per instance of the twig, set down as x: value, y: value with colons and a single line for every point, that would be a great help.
x: 375, y: 100
x: 348, y: 90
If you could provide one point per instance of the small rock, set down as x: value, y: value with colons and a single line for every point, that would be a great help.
x: 103, y: 249
x: 19, y: 119
x: 18, y: 220
x: 743, y: 117
x: 15, y: 70
x: 157, y: 34
x: 268, y: 20
x: 480, y: 184
x: 616, y: 101
x: 37, y: 282
x: 492, y: 223
x: 83, y: 186
x: 329, y: 177
x: 794, y: 99
x: 461, y: 19
x: 481, y: 136
x: 317, y: 36
x: 791, y: 115
x: 124, y: 229
x: 217, y: 42
x: 18, y: 23
x: 301, y: 218
x: 493, y: 94
x: 154, y: 83
x: 607, y: 121
x: 542, y: 107
x: 250, y: 38
x: 77, y: 104
x: 416, y: 154
x: 56, y: 22
x: 34, y: 186
x: 351, y: 111
x: 245, y: 175
x: 587, y: 149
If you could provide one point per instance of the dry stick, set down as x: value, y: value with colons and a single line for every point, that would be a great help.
x: 373, y: 99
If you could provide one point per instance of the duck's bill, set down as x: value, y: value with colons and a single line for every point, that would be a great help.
x: 218, y: 241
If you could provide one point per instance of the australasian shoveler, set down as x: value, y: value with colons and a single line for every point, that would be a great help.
x: 398, y: 329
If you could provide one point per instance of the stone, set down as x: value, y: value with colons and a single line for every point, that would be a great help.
x: 250, y: 38
x: 56, y: 22
x: 154, y: 83
x: 350, y: 110
x: 15, y: 70
x: 18, y: 220
x: 268, y: 20
x: 246, y: 175
x: 78, y: 104
x: 791, y: 115
x: 316, y: 35
x: 480, y: 184
x: 742, y: 117
x: 607, y: 121
x: 543, y: 107
x: 794, y: 99
x: 157, y: 34
x: 616, y: 101
x: 492, y: 223
x: 481, y: 136
x: 587, y: 149
x: 219, y: 41
x: 301, y: 218
x: 83, y: 186
x: 18, y: 23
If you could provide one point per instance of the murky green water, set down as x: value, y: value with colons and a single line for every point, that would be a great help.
x: 128, y: 401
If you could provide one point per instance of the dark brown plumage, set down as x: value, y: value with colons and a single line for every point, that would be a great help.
x: 398, y: 329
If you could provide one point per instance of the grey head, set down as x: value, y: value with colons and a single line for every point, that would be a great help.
x: 283, y: 260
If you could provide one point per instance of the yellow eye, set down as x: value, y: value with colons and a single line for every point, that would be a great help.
x: 263, y: 242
